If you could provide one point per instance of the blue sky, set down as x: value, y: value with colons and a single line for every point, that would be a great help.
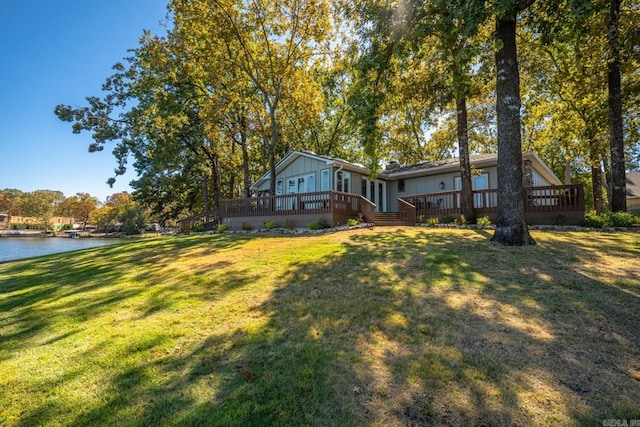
x: 59, y: 52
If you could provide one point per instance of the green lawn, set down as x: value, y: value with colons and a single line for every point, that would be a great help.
x: 384, y: 327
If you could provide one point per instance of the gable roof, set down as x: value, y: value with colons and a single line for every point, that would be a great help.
x: 453, y: 165
x: 293, y: 155
x: 633, y: 184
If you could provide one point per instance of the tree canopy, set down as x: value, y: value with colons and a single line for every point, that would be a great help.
x: 206, y: 108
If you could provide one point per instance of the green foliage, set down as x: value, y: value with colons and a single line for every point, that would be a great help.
x: 322, y: 223
x: 354, y: 221
x: 610, y: 219
x: 483, y: 221
x: 623, y: 219
x: 198, y: 229
x: 288, y: 224
x: 462, y: 220
x: 270, y: 225
x: 446, y: 219
x: 247, y: 227
x: 222, y: 228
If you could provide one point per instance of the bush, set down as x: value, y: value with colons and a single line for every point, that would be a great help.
x: 446, y: 219
x: 198, y: 229
x: 433, y: 221
x: 222, y: 227
x: 462, y: 220
x: 622, y: 219
x: 319, y: 225
x: 247, y: 227
x: 610, y: 219
x: 288, y: 224
x: 270, y: 225
x: 351, y: 222
x: 484, y: 221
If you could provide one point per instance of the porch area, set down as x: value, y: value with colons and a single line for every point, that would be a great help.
x: 298, y: 210
x: 553, y: 205
x: 560, y: 205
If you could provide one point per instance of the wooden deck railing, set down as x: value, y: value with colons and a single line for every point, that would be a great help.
x: 406, y: 212
x: 321, y: 202
x: 556, y: 198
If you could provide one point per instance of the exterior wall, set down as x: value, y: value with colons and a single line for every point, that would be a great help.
x: 304, y: 166
x: 431, y: 184
x: 633, y: 205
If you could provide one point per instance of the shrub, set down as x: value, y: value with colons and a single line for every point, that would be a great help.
x: 462, y: 220
x: 446, y: 219
x: 621, y: 219
x: 352, y: 221
x: 288, y: 224
x: 320, y: 224
x: 433, y: 221
x: 324, y: 223
x: 484, y: 221
x: 270, y: 225
x: 198, y: 229
x: 247, y: 227
x: 592, y: 219
x: 222, y: 227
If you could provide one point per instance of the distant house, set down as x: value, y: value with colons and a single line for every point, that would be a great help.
x: 31, y: 223
x: 633, y: 192
x: 309, y: 186
x: 4, y: 221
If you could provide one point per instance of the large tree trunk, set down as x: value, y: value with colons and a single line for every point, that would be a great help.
x: 616, y: 135
x: 466, y: 199
x: 596, y: 184
x: 511, y: 226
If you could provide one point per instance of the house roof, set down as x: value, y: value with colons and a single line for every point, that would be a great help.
x: 293, y: 155
x: 633, y: 184
x: 453, y: 164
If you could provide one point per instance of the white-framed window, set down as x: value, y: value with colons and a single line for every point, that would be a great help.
x: 301, y: 184
x: 279, y: 187
x: 478, y: 182
x: 324, y: 180
x: 343, y: 181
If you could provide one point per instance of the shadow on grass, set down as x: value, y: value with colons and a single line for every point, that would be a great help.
x: 386, y: 328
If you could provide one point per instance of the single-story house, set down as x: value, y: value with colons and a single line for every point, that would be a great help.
x: 310, y: 186
x: 633, y: 192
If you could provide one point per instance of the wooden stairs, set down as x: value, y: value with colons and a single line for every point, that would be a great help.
x: 382, y: 219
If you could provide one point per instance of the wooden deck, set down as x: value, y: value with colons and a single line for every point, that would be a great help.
x: 561, y: 205
x: 299, y: 209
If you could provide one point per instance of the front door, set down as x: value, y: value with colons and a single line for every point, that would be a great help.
x: 376, y: 192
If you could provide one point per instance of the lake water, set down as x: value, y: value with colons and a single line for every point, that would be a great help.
x: 26, y: 247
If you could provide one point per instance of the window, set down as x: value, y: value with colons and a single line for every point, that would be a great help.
x: 401, y: 186
x: 301, y: 184
x: 478, y: 182
x: 343, y: 181
x: 324, y: 180
x: 311, y: 183
x: 279, y: 187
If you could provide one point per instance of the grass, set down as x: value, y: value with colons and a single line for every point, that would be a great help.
x: 385, y: 327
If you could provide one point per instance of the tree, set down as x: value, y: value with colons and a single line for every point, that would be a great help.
x: 79, y: 207
x: 511, y: 225
x: 41, y: 204
x: 616, y: 132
